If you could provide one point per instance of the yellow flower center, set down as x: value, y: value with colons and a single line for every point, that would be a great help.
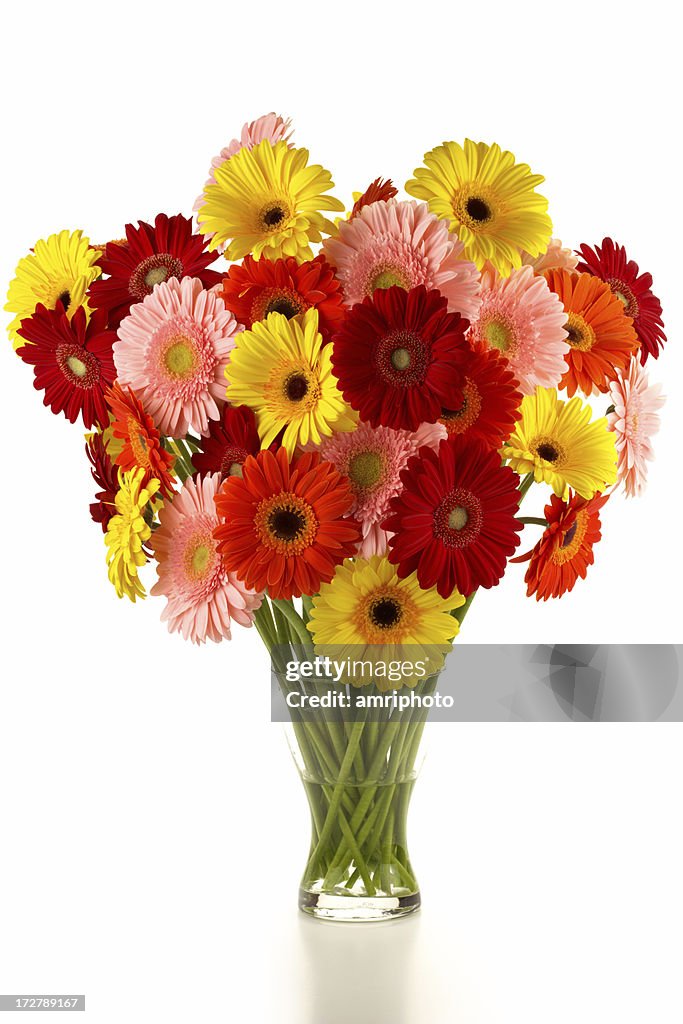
x: 365, y: 469
x: 400, y: 359
x: 155, y: 276
x: 580, y: 334
x: 200, y: 559
x: 387, y: 278
x: 200, y: 556
x: 180, y: 359
x: 458, y: 518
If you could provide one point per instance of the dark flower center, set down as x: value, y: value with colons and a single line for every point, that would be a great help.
x: 283, y: 305
x: 548, y: 452
x: 296, y: 387
x: 478, y: 209
x: 274, y: 216
x: 385, y: 613
x: 287, y: 524
x: 569, y: 535
x: 65, y: 299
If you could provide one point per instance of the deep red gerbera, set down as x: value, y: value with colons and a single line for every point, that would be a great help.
x: 565, y: 550
x: 377, y: 191
x: 454, y: 522
x: 491, y: 400
x: 610, y: 263
x: 105, y: 475
x: 255, y: 288
x: 72, y: 360
x: 400, y: 357
x: 283, y: 524
x: 151, y: 254
x: 229, y: 441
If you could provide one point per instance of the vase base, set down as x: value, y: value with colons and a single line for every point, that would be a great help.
x: 330, y: 907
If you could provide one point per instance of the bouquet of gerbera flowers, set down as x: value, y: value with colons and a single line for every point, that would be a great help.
x: 334, y: 445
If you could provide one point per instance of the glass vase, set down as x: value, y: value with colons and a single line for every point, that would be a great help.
x: 358, y: 769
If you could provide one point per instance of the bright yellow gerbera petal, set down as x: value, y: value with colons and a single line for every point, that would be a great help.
x: 127, y: 531
x: 489, y: 200
x: 62, y: 266
x: 282, y: 371
x: 267, y: 201
x: 558, y: 443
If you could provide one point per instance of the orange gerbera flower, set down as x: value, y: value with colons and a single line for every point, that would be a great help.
x: 601, y: 336
x: 283, y: 525
x: 141, y: 439
x: 565, y: 550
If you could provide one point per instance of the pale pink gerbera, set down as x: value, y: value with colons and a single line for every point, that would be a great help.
x: 270, y: 127
x: 202, y: 597
x: 372, y: 458
x: 634, y: 421
x: 391, y: 243
x: 172, y: 350
x: 556, y: 257
x: 522, y: 318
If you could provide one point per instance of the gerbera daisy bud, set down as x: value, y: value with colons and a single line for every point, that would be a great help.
x: 283, y: 371
x: 558, y: 443
x: 401, y: 357
x: 454, y: 522
x: 284, y: 526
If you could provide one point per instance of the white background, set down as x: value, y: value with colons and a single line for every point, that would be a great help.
x: 151, y: 825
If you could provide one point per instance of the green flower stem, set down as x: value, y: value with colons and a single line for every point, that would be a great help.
x: 532, y: 520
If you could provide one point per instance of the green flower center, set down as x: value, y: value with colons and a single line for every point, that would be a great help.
x: 400, y: 359
x: 387, y: 279
x: 180, y: 359
x: 365, y: 469
x: 498, y: 335
x: 77, y: 366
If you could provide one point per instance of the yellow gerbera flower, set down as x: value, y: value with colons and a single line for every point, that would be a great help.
x: 282, y: 370
x: 127, y: 531
x: 557, y: 442
x: 266, y: 200
x: 383, y: 618
x: 62, y: 267
x: 489, y: 200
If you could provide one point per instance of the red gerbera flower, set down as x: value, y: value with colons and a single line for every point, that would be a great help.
x: 105, y: 475
x: 400, y: 357
x: 152, y: 254
x: 255, y: 288
x: 610, y: 263
x: 229, y: 441
x: 72, y: 360
x: 454, y: 522
x: 141, y: 440
x: 376, y: 191
x: 491, y: 400
x: 283, y: 523
x: 565, y: 550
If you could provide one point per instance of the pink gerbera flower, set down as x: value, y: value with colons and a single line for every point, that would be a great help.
x: 270, y: 127
x: 634, y: 421
x: 172, y: 351
x: 372, y: 458
x: 522, y: 318
x: 556, y: 257
x: 391, y: 243
x: 202, y: 597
